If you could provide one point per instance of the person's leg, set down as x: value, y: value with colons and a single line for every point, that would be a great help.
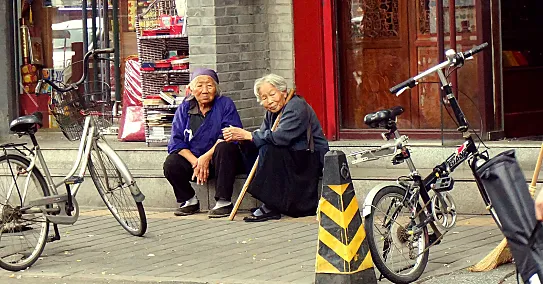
x: 178, y: 171
x: 226, y: 164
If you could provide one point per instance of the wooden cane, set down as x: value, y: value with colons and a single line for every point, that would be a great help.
x: 533, y: 184
x: 253, y: 170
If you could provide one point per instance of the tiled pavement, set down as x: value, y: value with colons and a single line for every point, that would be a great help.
x: 199, y: 250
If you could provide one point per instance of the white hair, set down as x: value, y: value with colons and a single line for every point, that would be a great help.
x: 192, y: 84
x: 273, y: 79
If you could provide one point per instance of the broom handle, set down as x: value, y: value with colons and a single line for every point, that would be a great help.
x: 537, y: 167
x: 253, y: 170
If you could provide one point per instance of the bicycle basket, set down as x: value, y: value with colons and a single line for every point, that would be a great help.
x: 70, y: 108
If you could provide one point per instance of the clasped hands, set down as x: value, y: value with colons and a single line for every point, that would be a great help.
x: 201, y: 164
x: 232, y: 133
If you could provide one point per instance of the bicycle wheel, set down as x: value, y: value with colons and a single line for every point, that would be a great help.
x: 115, y: 193
x: 22, y: 235
x: 399, y: 256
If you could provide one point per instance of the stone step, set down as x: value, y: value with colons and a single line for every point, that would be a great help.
x: 145, y: 163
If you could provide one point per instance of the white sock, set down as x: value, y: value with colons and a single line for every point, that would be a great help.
x: 222, y: 203
x: 192, y: 201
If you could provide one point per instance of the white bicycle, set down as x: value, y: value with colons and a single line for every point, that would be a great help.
x: 29, y: 200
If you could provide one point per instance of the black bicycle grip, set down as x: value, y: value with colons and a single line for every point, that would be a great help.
x: 408, y: 83
x: 475, y: 50
x: 104, y: 50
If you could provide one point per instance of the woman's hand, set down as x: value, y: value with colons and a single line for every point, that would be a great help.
x: 236, y: 134
x: 539, y: 206
x: 201, y: 171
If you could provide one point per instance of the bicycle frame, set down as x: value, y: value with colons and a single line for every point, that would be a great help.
x: 91, y: 139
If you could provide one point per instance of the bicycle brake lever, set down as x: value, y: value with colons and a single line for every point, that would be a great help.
x: 401, y: 91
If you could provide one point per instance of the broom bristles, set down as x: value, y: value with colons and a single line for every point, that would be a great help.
x: 498, y: 256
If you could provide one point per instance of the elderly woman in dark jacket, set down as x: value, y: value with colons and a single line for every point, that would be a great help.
x: 290, y: 158
x: 196, y: 148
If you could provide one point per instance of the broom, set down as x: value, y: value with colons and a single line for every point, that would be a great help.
x: 501, y: 254
x: 253, y: 170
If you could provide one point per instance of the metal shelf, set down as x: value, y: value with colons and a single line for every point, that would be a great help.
x: 161, y: 106
x: 166, y: 71
x: 163, y: 36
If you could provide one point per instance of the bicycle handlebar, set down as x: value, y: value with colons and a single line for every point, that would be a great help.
x: 454, y: 59
x: 93, y: 53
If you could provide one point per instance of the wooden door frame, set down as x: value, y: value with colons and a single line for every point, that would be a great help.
x: 492, y: 125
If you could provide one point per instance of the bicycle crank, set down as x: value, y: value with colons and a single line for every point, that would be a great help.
x: 443, y: 210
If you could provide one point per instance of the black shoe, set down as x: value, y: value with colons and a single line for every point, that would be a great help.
x: 221, y: 212
x: 187, y: 210
x: 264, y: 217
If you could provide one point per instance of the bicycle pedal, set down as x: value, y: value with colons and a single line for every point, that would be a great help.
x: 74, y: 180
x: 443, y: 184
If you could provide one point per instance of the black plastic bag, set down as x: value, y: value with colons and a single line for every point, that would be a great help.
x: 503, y: 180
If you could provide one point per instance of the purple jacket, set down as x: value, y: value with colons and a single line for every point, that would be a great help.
x: 223, y: 113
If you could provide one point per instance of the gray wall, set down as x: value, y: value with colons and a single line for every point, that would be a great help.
x: 8, y: 104
x: 242, y: 40
x: 281, y: 39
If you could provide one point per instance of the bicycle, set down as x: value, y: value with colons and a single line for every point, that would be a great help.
x: 29, y: 200
x: 397, y: 215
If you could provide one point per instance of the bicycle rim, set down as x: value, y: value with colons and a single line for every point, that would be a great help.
x: 115, y: 193
x: 22, y: 236
x: 400, y: 257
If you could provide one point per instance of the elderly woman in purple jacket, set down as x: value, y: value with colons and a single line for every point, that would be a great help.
x: 196, y: 148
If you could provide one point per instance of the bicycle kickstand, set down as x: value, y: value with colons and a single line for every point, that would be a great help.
x: 56, y: 237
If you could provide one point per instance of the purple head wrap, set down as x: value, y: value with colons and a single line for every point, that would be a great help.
x: 204, y: 71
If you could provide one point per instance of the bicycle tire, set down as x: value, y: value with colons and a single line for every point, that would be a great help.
x: 380, y: 263
x: 108, y: 181
x: 12, y: 230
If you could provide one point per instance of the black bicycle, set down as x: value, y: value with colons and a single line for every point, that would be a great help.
x: 397, y: 215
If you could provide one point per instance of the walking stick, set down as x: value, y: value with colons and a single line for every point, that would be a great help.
x: 253, y: 170
x: 501, y: 254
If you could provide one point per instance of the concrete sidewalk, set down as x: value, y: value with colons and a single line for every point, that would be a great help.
x: 196, y: 249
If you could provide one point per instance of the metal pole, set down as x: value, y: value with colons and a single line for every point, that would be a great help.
x: 94, y: 43
x: 117, y: 51
x: 85, y: 27
x: 452, y: 40
x: 107, y: 64
x: 440, y: 56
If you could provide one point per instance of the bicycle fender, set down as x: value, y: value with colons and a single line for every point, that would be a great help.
x: 368, y: 201
x: 134, y: 189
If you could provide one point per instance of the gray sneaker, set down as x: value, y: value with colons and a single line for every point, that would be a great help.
x: 187, y: 210
x: 221, y: 212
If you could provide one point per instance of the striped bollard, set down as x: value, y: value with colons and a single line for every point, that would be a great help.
x: 343, y: 254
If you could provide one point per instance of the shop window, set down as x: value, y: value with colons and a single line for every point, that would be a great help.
x: 464, y: 13
x: 374, y: 19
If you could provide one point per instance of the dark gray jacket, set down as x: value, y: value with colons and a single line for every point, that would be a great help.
x: 292, y: 128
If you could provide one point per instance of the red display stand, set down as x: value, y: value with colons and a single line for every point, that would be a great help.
x: 30, y: 103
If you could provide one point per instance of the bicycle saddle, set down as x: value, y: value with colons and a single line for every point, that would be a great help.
x: 26, y: 123
x: 380, y: 118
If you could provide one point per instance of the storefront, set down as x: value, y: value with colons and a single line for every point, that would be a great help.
x: 342, y: 56
x: 366, y: 47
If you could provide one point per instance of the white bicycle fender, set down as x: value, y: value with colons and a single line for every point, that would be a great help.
x: 366, y: 210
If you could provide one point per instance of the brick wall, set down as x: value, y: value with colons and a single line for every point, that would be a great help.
x: 280, y: 37
x: 242, y: 40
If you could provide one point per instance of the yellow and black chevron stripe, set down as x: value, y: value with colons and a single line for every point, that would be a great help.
x: 342, y: 246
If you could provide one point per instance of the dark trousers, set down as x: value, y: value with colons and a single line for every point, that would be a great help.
x: 226, y: 163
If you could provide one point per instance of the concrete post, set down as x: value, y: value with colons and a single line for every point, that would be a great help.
x: 8, y: 87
